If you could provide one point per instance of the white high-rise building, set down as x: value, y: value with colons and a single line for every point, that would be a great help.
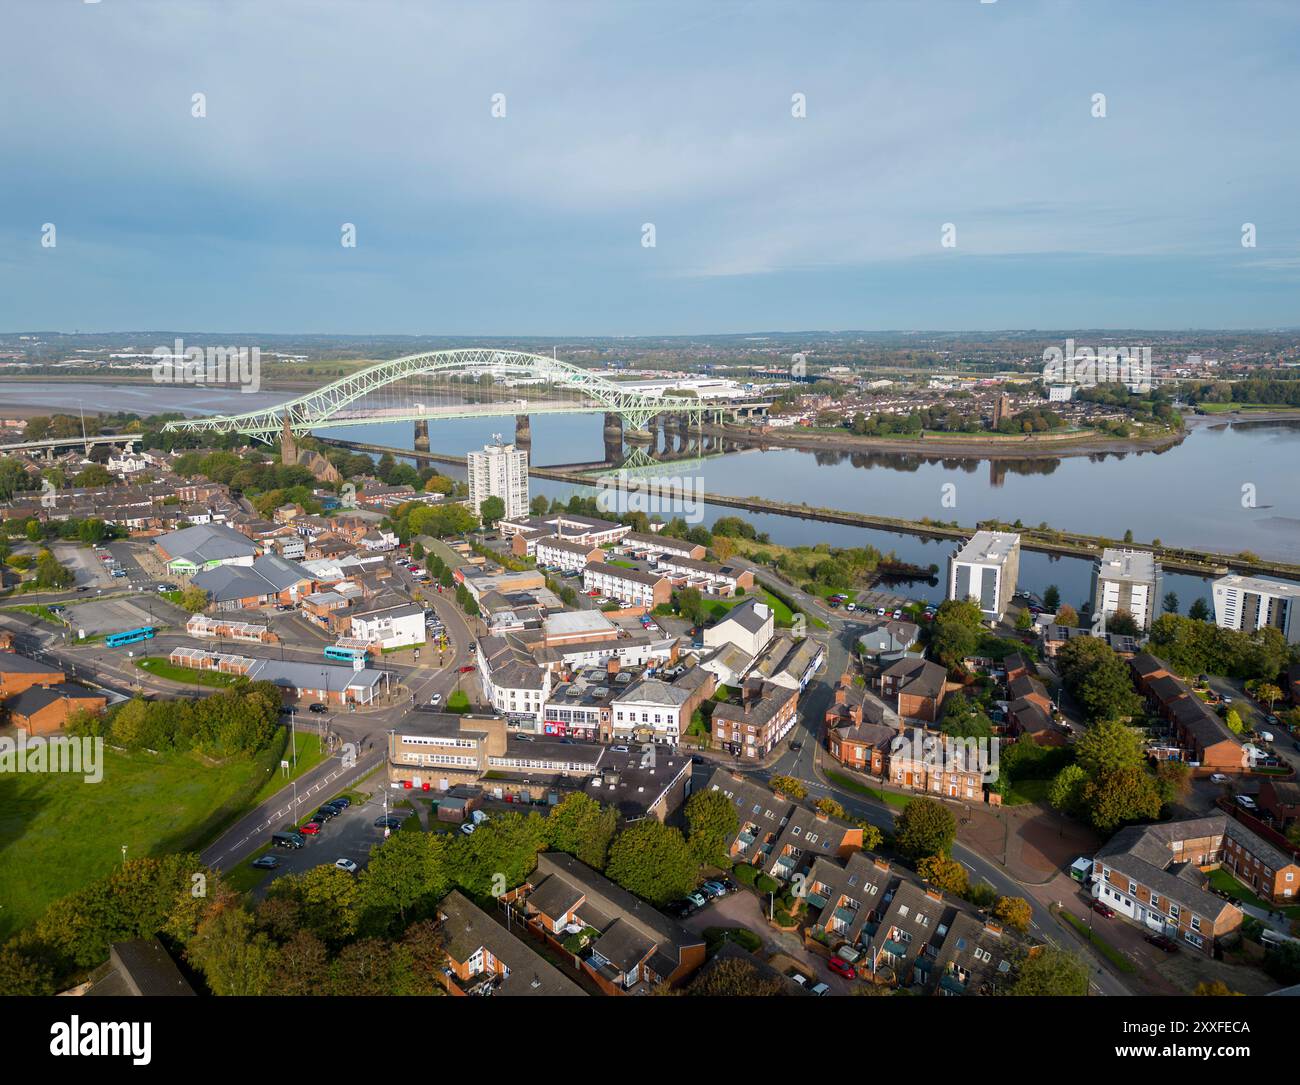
x: 1252, y: 602
x: 499, y: 470
x: 1127, y: 580
x: 985, y: 569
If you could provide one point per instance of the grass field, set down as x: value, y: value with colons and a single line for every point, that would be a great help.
x: 161, y: 668
x: 37, y: 611
x: 1098, y: 942
x: 1223, y: 880
x: 1223, y: 408
x: 310, y: 755
x: 889, y: 798
x: 782, y: 615
x: 58, y: 832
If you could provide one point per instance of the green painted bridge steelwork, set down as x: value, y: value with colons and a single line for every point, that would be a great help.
x: 336, y: 404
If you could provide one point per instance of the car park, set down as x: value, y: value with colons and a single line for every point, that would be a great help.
x: 265, y: 862
x: 346, y: 864
x: 1103, y: 909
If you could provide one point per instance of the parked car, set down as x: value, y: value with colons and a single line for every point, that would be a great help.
x: 719, y: 890
x: 468, y: 828
x: 435, y: 700
x: 680, y: 909
x: 708, y: 891
x: 1218, y: 778
x: 311, y: 828
x: 1245, y: 802
x: 346, y: 864
x: 265, y: 862
x: 342, y: 802
x: 820, y: 989
x: 288, y: 840
x: 698, y: 899
x: 842, y: 968
x: 388, y: 821
x: 324, y: 814
x: 1103, y: 909
x: 619, y: 749
x: 318, y: 707
x: 1161, y: 941
x: 1267, y: 736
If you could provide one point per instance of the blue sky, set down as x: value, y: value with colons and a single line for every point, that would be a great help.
x: 619, y: 114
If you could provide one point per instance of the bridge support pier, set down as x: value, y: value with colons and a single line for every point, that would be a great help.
x: 613, y: 434
x: 523, y: 431
x: 421, y: 435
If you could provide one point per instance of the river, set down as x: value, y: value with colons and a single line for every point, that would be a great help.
x: 1227, y: 486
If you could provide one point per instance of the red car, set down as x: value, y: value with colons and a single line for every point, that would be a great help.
x: 467, y: 668
x: 311, y: 828
x: 1103, y: 909
x: 842, y: 968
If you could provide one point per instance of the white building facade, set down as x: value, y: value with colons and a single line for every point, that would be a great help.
x: 499, y: 470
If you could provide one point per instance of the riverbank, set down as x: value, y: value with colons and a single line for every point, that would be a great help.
x: 1041, y: 539
x: 964, y: 445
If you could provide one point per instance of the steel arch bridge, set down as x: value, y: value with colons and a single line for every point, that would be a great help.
x: 329, y: 406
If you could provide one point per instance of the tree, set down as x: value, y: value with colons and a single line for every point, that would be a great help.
x: 1050, y: 971
x: 734, y: 977
x: 653, y: 861
x: 1013, y: 912
x: 92, y: 531
x: 1098, y: 679
x: 235, y: 959
x: 1213, y: 989
x: 1119, y: 796
x: 1268, y: 693
x: 50, y: 573
x: 1122, y: 622
x: 491, y: 509
x: 406, y: 874
x: 953, y: 641
x: 925, y: 827
x: 944, y: 874
x: 788, y: 785
x: 1233, y: 721
x: 503, y: 850
x: 1066, y: 790
x: 962, y: 718
x: 1170, y: 603
x: 580, y: 826
x: 1173, y: 781
x: 831, y: 808
x: 1052, y: 599
x: 1024, y: 620
x: 193, y: 599
x: 1110, y: 746
x: 539, y: 506
x: 1067, y: 616
x: 872, y: 837
x: 92, y: 476
x: 712, y: 821
x: 723, y: 547
x: 328, y: 900
x: 1198, y: 611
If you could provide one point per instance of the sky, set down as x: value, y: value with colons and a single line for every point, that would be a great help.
x: 380, y: 114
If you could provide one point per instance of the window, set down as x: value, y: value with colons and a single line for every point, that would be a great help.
x: 1132, y: 888
x: 1196, y: 922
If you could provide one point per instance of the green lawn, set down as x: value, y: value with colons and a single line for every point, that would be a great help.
x: 1026, y: 791
x: 889, y: 798
x: 37, y: 611
x: 1098, y: 942
x: 781, y: 613
x: 245, y: 877
x: 1223, y: 880
x: 161, y: 668
x: 59, y: 832
x: 310, y: 755
x: 624, y: 564
x: 1221, y: 408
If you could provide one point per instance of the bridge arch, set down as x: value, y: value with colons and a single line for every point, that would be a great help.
x: 324, y: 406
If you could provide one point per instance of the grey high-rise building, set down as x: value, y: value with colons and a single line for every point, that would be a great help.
x: 1127, y: 580
x: 985, y: 569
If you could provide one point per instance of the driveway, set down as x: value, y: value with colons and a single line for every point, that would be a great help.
x: 743, y: 909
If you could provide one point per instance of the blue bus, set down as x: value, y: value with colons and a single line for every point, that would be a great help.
x: 347, y: 655
x: 130, y: 636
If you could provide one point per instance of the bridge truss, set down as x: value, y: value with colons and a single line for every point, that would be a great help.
x: 337, y: 403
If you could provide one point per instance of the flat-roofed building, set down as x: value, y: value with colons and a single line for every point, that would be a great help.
x: 632, y: 587
x: 499, y: 470
x: 1127, y: 580
x: 986, y: 569
x: 1248, y: 603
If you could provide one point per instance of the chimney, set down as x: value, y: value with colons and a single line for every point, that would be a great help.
x: 880, y: 864
x: 933, y: 893
x: 612, y: 667
x: 992, y: 928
